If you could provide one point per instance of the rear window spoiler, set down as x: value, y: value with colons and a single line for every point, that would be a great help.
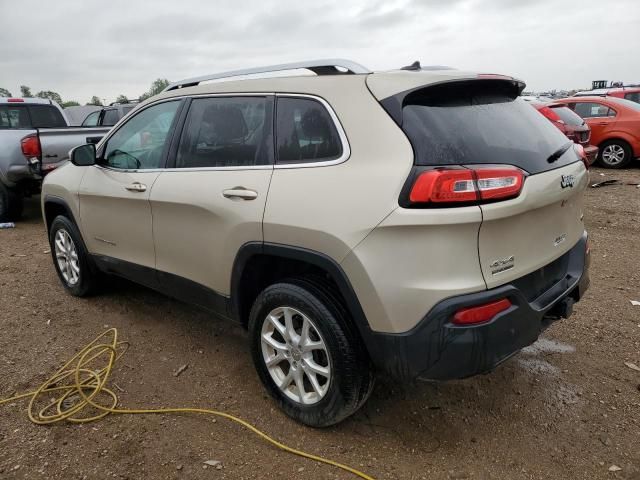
x: 393, y: 105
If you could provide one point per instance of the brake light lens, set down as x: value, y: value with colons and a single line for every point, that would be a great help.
x: 499, y: 183
x: 31, y: 148
x: 444, y: 186
x: 551, y: 115
x: 583, y: 156
x: 467, y: 185
x: 481, y: 313
x: 15, y: 100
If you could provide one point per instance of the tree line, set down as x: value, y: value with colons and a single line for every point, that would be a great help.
x: 25, y: 92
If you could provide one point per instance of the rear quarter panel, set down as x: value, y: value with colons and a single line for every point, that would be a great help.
x: 330, y: 209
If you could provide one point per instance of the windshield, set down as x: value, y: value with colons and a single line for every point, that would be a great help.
x: 479, y: 122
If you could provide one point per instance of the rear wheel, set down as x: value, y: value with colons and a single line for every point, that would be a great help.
x: 614, y: 154
x: 70, y: 258
x: 307, y: 354
x: 11, y: 204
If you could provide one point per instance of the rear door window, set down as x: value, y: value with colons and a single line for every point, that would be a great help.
x: 593, y: 110
x: 227, y: 132
x: 479, y: 122
x: 305, y: 132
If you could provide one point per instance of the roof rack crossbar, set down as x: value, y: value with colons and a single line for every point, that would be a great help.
x: 320, y: 67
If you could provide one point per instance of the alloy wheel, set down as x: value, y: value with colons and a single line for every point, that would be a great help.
x: 67, y: 257
x: 613, y: 154
x: 296, y: 355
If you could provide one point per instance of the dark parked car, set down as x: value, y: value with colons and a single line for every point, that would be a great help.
x: 108, y: 116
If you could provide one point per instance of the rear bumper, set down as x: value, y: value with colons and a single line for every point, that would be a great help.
x: 436, y: 349
x: 591, y: 151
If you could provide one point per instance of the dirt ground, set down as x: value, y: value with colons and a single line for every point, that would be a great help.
x: 567, y: 407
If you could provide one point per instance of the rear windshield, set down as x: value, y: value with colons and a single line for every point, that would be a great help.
x: 479, y: 122
x: 30, y: 116
x: 568, y: 116
x: 625, y: 103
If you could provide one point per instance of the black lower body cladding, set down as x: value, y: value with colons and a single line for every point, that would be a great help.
x: 436, y: 349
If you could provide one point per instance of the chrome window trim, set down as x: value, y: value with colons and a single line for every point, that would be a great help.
x: 346, y: 148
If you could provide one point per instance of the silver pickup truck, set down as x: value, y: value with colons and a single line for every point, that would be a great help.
x: 34, y: 139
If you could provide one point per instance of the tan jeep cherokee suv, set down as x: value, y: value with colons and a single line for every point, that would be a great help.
x: 420, y: 222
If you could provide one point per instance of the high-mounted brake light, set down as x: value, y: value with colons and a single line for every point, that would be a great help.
x: 15, y: 100
x: 31, y: 148
x: 481, y: 313
x: 467, y: 185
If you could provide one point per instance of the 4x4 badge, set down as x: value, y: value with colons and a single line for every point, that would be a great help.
x: 567, y: 181
x: 502, y: 264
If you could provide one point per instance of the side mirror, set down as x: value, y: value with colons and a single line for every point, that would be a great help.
x: 83, y: 155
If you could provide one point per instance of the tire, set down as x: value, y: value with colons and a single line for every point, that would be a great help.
x: 11, y: 204
x: 74, y: 267
x: 614, y: 154
x: 331, y: 398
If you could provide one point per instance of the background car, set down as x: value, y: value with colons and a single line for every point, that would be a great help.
x: 627, y: 93
x: 108, y: 116
x: 615, y: 127
x: 571, y: 124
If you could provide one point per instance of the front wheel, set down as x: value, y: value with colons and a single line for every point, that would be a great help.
x: 614, y: 154
x: 70, y: 258
x: 307, y: 354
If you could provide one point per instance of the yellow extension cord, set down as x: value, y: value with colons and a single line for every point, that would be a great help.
x: 78, y: 385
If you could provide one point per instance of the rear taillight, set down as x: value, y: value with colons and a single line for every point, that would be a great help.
x: 466, y: 185
x: 551, y: 115
x: 583, y: 156
x: 444, y: 186
x: 31, y: 148
x: 480, y: 313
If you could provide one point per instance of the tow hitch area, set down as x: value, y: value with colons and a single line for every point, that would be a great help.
x: 563, y: 309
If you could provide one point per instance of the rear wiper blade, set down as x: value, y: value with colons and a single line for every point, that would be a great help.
x: 558, y: 153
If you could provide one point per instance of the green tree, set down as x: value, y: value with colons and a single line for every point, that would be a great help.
x: 25, y: 91
x: 70, y: 103
x: 157, y: 86
x: 95, y: 101
x: 5, y: 93
x: 50, y: 95
x: 122, y: 99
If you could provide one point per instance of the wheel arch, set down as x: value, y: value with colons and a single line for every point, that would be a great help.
x: 252, y: 256
x: 616, y: 138
x: 53, y: 206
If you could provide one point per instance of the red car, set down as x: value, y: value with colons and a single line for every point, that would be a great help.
x: 628, y: 93
x: 572, y: 125
x: 615, y: 127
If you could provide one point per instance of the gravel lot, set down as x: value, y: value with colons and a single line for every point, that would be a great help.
x: 567, y: 407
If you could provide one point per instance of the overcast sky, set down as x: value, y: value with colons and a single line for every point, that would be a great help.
x: 106, y: 48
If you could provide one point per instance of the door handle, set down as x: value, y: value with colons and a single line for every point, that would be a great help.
x: 136, y: 187
x: 240, y: 193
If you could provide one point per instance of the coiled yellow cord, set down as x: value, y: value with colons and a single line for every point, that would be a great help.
x: 78, y: 386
